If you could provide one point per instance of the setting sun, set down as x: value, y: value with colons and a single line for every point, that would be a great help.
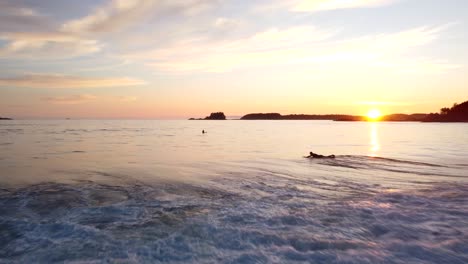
x: 374, y: 114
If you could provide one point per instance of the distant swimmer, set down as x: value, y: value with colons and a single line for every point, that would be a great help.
x: 318, y: 156
x: 203, y: 131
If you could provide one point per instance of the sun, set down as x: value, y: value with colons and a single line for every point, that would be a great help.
x: 374, y: 114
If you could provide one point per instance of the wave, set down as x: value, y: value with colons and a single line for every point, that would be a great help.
x: 249, y: 220
x: 383, y: 160
x: 391, y: 165
x: 404, y: 161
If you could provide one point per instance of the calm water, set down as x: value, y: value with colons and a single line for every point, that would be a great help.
x: 160, y: 191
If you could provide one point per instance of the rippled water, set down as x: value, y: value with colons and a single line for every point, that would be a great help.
x: 160, y: 191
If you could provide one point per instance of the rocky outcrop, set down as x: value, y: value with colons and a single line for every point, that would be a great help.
x: 216, y: 116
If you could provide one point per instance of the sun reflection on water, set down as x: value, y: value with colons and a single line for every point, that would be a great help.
x: 374, y: 139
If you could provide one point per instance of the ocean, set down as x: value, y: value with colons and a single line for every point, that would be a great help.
x: 152, y: 191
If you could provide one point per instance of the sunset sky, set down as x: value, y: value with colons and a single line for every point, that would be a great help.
x: 187, y: 58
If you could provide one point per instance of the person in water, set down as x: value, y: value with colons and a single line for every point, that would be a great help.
x: 318, y: 156
x: 203, y: 131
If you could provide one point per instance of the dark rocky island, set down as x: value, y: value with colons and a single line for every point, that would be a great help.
x: 5, y: 118
x: 216, y: 116
x: 457, y: 113
x: 212, y: 116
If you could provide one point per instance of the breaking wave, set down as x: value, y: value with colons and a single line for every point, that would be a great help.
x: 261, y: 219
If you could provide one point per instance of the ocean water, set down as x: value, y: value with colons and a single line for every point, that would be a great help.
x: 82, y: 191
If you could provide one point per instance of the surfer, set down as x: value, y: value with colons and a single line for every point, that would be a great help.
x: 318, y: 156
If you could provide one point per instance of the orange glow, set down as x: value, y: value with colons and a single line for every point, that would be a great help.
x: 374, y: 114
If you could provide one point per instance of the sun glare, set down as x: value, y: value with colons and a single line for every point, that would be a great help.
x: 374, y: 114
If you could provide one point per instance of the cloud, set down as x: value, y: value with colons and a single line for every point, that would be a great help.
x: 27, y: 34
x: 120, y: 14
x: 30, y: 35
x: 219, y: 44
x: 224, y: 23
x: 15, y: 17
x: 46, y: 45
x: 70, y: 99
x: 264, y: 48
x: 392, y: 51
x: 307, y: 46
x: 66, y: 81
x: 85, y: 98
x: 322, y: 5
x: 115, y: 15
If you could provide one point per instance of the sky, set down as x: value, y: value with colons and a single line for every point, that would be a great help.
x: 173, y: 59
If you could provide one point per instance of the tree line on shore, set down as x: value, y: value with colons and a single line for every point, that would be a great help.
x: 457, y: 113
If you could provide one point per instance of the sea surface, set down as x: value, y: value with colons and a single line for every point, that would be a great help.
x: 116, y: 191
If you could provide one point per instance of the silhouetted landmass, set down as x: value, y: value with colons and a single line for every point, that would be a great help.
x: 350, y: 118
x: 316, y: 117
x: 389, y: 118
x: 334, y: 117
x: 216, y: 116
x: 5, y: 118
x: 262, y: 116
x: 457, y: 113
x: 213, y: 116
x: 404, y: 117
x: 277, y: 116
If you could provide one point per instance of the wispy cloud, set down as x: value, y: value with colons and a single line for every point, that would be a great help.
x: 226, y: 24
x: 321, y: 5
x: 299, y: 45
x: 85, y: 98
x: 269, y: 47
x: 391, y: 51
x: 66, y: 81
x: 118, y: 15
x: 27, y: 34
x: 15, y: 17
x: 309, y: 6
x: 111, y: 17
x: 70, y: 99
x: 46, y: 45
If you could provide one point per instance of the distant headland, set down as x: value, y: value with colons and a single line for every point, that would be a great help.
x: 334, y: 117
x: 5, y: 118
x: 389, y: 118
x: 457, y: 113
x: 278, y: 116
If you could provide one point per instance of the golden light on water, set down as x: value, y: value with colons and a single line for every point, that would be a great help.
x: 374, y: 140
